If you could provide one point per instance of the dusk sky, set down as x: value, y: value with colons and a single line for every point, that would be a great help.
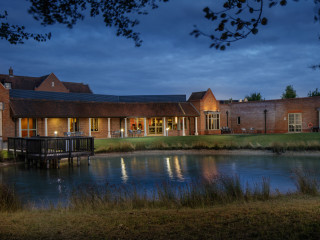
x: 170, y: 61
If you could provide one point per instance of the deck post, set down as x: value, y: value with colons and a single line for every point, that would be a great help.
x: 48, y: 164
x: 145, y: 127
x: 89, y: 160
x: 25, y: 159
x: 59, y: 163
x: 109, y: 132
x: 78, y: 161
x: 125, y: 128
x: 196, y: 126
x: 183, y: 129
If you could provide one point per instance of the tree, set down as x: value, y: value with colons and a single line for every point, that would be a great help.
x: 68, y: 12
x: 289, y: 92
x: 314, y: 93
x: 254, y: 97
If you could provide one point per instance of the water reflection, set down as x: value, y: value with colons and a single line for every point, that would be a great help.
x: 149, y: 171
x: 124, y: 176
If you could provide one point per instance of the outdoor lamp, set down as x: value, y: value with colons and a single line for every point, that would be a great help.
x: 167, y: 131
x: 55, y: 133
x: 121, y: 132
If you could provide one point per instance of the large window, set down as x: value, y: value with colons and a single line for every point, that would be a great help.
x: 136, y: 123
x: 295, y: 122
x: 172, y: 123
x: 155, y: 126
x: 28, y: 127
x: 94, y: 124
x: 74, y: 124
x: 212, y: 121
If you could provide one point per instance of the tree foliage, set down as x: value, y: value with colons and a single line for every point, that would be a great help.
x: 254, y: 97
x: 314, y: 93
x: 237, y: 19
x: 289, y: 92
x: 118, y: 14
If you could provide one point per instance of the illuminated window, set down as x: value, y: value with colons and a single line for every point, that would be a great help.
x: 155, y: 126
x: 212, y: 121
x: 172, y: 123
x: 74, y: 124
x: 295, y: 122
x: 136, y: 123
x: 28, y: 127
x: 94, y: 125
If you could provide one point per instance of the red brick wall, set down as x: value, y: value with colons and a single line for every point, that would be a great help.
x: 8, y: 125
x: 46, y: 85
x: 252, y: 114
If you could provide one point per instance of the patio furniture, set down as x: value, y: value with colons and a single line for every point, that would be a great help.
x: 115, y: 134
x: 252, y: 130
x: 243, y: 130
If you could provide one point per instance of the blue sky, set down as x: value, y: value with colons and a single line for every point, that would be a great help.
x: 170, y: 61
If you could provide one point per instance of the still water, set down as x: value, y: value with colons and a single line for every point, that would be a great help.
x: 42, y: 185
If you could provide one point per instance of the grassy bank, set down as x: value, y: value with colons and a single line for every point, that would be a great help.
x: 275, y: 142
x: 221, y: 209
x: 289, y: 217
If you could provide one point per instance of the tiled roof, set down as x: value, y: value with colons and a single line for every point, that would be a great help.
x: 89, y: 97
x: 197, y: 95
x: 62, y: 109
x: 22, y: 82
x: 77, y: 87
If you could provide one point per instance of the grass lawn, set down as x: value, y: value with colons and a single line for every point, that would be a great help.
x: 286, y: 217
x: 299, y: 141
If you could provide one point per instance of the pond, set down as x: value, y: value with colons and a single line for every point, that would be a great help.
x: 44, y: 185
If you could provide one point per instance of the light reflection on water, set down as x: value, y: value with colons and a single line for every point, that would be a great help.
x: 146, y: 172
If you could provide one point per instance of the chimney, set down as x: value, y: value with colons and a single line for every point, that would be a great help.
x: 10, y: 72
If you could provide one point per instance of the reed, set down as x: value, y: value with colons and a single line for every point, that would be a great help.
x: 9, y: 199
x: 306, y: 182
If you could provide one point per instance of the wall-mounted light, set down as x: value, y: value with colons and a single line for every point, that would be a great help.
x: 167, y: 129
x: 55, y: 133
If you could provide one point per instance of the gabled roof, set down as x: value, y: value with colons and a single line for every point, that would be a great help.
x: 32, y: 83
x: 62, y: 109
x: 89, y: 97
x: 22, y: 82
x: 197, y: 96
x: 77, y: 87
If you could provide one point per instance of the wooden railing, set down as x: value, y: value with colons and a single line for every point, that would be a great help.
x: 44, y: 147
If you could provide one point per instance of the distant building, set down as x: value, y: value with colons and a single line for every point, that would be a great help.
x: 46, y: 106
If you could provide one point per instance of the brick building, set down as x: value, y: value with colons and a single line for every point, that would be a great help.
x: 46, y: 106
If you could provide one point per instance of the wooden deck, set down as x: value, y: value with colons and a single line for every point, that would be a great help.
x: 47, y: 151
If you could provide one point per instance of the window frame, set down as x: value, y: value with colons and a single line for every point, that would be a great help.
x: 296, y: 125
x: 94, y: 122
x: 212, y: 120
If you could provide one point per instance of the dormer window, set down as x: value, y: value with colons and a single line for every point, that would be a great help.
x: 7, y: 85
x: 52, y: 84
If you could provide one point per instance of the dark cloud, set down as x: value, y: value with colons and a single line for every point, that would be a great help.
x: 170, y: 61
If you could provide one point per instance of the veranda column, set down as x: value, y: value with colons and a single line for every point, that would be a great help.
x: 19, y: 128
x: 125, y: 128
x: 69, y: 122
x: 109, y: 133
x: 145, y: 126
x: 46, y: 127
x: 183, y: 130
x: 164, y: 126
x: 89, y: 127
x: 196, y: 126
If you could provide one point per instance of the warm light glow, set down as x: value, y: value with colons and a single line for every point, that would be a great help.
x: 55, y: 133
x: 167, y: 129
x: 122, y: 130
x: 176, y: 119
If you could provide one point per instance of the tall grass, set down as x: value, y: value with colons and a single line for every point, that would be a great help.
x: 9, y: 200
x: 223, y: 189
x: 306, y: 182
